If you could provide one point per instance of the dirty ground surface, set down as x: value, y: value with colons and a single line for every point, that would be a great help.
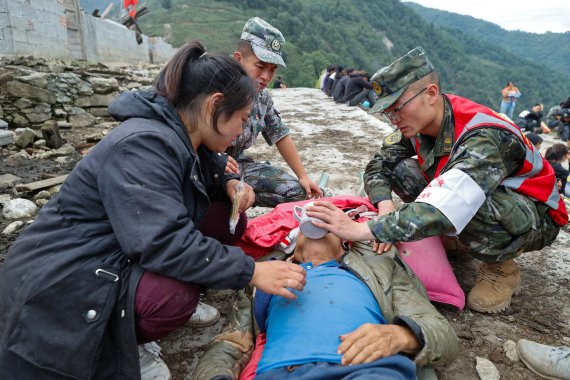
x: 340, y: 140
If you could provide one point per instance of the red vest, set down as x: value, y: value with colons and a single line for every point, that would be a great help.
x: 535, y: 179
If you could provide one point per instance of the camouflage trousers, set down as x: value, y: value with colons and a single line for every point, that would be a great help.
x: 272, y: 185
x: 506, y: 225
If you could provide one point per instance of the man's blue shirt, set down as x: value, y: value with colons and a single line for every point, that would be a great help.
x: 308, y: 329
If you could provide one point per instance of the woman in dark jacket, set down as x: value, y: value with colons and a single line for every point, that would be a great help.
x: 116, y: 258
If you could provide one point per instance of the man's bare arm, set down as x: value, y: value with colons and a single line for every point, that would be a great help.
x: 289, y: 152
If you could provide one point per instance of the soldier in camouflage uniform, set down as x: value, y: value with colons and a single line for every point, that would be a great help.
x: 477, y: 181
x: 260, y: 52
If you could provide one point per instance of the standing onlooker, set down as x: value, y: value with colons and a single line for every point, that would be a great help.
x: 359, y: 88
x: 510, y: 95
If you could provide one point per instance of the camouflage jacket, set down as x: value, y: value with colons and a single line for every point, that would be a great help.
x: 263, y: 119
x: 395, y: 287
x: 487, y: 155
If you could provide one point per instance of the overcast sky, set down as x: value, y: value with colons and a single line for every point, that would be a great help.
x: 528, y: 16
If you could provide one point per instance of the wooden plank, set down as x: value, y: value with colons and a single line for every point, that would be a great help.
x: 39, y: 185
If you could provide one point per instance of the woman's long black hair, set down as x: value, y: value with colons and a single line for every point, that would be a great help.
x: 192, y: 74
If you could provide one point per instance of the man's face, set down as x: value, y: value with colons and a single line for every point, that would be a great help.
x: 326, y: 248
x: 411, y: 113
x: 261, y: 72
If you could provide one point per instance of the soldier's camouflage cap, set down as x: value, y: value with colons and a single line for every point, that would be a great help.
x: 266, y: 41
x: 391, y: 81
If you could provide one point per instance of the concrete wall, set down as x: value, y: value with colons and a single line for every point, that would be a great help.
x: 6, y: 44
x: 33, y: 27
x: 109, y: 41
x: 40, y: 28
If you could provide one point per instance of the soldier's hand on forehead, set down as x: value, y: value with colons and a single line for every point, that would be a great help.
x: 336, y: 221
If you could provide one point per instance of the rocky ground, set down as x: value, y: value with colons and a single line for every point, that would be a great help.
x: 338, y: 140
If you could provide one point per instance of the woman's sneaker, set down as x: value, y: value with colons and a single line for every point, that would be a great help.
x: 152, y: 366
x: 204, y: 315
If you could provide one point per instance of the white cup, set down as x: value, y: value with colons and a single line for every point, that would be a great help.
x: 305, y: 222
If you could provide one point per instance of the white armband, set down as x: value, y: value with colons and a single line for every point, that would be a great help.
x: 455, y: 195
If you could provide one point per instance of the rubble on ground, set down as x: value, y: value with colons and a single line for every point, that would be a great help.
x: 41, y: 96
x: 46, y: 102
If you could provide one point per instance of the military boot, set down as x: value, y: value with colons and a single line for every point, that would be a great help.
x: 496, y: 284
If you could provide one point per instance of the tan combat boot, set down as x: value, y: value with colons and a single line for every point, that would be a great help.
x: 496, y: 284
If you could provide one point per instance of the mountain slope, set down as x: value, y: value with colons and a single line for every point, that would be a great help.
x: 550, y: 49
x: 363, y: 34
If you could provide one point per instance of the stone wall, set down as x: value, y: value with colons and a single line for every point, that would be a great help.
x: 34, y: 91
x: 51, y: 28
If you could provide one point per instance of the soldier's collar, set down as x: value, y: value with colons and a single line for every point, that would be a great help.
x: 445, y: 138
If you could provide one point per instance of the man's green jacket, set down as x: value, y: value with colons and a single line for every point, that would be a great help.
x: 397, y: 290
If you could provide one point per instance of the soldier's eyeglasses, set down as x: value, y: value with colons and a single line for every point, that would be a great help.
x: 393, y: 116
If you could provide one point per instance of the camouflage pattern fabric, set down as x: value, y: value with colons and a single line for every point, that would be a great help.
x: 272, y: 185
x: 266, y: 41
x: 507, y: 223
x: 263, y: 119
x: 391, y: 81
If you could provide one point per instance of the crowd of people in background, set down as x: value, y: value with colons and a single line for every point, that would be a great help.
x: 532, y: 123
x: 349, y: 86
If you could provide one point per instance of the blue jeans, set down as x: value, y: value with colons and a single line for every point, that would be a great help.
x: 364, y: 94
x: 396, y: 367
x: 508, y: 108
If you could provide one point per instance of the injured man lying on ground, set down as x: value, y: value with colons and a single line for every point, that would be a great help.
x: 359, y: 314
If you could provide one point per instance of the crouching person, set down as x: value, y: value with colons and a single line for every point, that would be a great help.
x: 116, y: 259
x: 359, y: 314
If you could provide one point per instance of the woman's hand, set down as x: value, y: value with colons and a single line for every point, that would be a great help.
x: 232, y: 166
x: 278, y: 277
x: 336, y: 221
x: 247, y: 197
x: 384, y: 208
